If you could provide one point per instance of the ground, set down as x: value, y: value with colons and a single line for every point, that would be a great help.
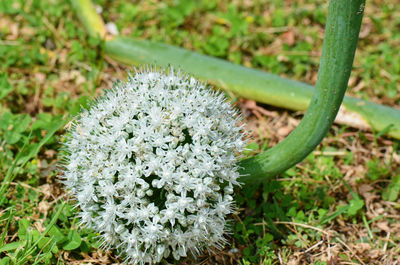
x: 339, y: 206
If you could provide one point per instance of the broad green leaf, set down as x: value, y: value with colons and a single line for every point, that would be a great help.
x: 54, y: 249
x: 48, y: 256
x: 12, y: 246
x: 5, y: 261
x: 12, y: 137
x: 17, y: 124
x: 6, y: 120
x: 5, y: 86
x: 74, y: 240
x: 23, y: 226
x: 48, y: 245
x: 85, y: 247
x: 35, y: 235
x: 45, y: 121
x: 43, y: 242
x: 22, y: 123
x: 391, y: 193
x: 56, y: 234
x: 355, y: 205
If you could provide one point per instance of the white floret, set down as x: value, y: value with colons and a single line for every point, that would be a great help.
x: 152, y: 165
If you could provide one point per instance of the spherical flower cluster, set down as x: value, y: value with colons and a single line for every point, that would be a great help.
x: 151, y: 165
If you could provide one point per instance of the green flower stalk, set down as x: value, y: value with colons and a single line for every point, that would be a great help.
x: 340, y: 42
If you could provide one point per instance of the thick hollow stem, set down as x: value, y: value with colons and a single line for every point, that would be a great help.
x: 340, y: 41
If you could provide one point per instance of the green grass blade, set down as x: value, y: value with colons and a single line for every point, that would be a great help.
x: 10, y: 175
x: 364, y: 218
x: 31, y: 249
x: 341, y: 210
x: 4, y: 233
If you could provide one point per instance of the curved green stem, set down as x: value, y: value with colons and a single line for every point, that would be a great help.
x: 341, y: 36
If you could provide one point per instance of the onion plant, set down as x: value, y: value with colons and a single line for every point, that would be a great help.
x: 153, y: 162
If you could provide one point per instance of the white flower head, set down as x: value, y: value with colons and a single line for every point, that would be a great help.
x: 152, y: 165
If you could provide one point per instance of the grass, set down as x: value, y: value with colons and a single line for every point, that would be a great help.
x: 339, y: 206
